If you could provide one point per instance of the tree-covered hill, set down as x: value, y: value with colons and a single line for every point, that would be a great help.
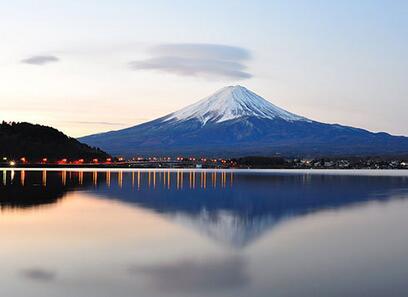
x: 35, y: 142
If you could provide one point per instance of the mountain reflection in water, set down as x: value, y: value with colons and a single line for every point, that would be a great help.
x: 231, y: 207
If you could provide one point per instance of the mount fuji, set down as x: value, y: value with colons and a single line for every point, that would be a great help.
x: 235, y: 122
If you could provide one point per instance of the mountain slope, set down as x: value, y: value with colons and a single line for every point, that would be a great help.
x: 35, y: 142
x: 235, y: 122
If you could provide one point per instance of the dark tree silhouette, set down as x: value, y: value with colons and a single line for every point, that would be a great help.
x: 35, y: 142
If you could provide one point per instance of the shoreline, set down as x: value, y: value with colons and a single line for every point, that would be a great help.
x: 357, y: 172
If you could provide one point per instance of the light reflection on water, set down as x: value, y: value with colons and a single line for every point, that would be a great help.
x: 198, y: 178
x: 202, y: 233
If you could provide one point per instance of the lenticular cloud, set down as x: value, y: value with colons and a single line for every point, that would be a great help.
x: 206, y: 60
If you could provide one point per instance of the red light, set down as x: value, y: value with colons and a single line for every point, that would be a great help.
x: 45, y: 160
x: 23, y: 159
x: 95, y: 160
x: 62, y: 161
x: 108, y: 160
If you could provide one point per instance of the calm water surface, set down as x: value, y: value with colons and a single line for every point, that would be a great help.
x: 195, y: 233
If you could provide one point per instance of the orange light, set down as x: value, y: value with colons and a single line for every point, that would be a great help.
x: 45, y: 160
x: 23, y: 159
x: 108, y: 160
x: 95, y: 160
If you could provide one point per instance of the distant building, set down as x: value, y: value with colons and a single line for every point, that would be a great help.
x: 343, y: 164
x: 328, y: 164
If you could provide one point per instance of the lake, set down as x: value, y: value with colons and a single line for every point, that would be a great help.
x: 203, y: 233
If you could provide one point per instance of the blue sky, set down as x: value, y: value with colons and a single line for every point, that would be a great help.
x: 91, y: 66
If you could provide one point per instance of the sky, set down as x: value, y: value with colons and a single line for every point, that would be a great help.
x: 96, y: 65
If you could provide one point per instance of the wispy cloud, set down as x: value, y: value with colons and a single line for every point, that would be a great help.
x: 39, y: 274
x: 40, y: 60
x: 96, y: 123
x: 207, y: 60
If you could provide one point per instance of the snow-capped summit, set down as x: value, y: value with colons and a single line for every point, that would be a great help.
x: 230, y: 103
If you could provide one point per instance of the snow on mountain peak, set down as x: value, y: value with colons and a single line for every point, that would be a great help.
x: 230, y: 103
